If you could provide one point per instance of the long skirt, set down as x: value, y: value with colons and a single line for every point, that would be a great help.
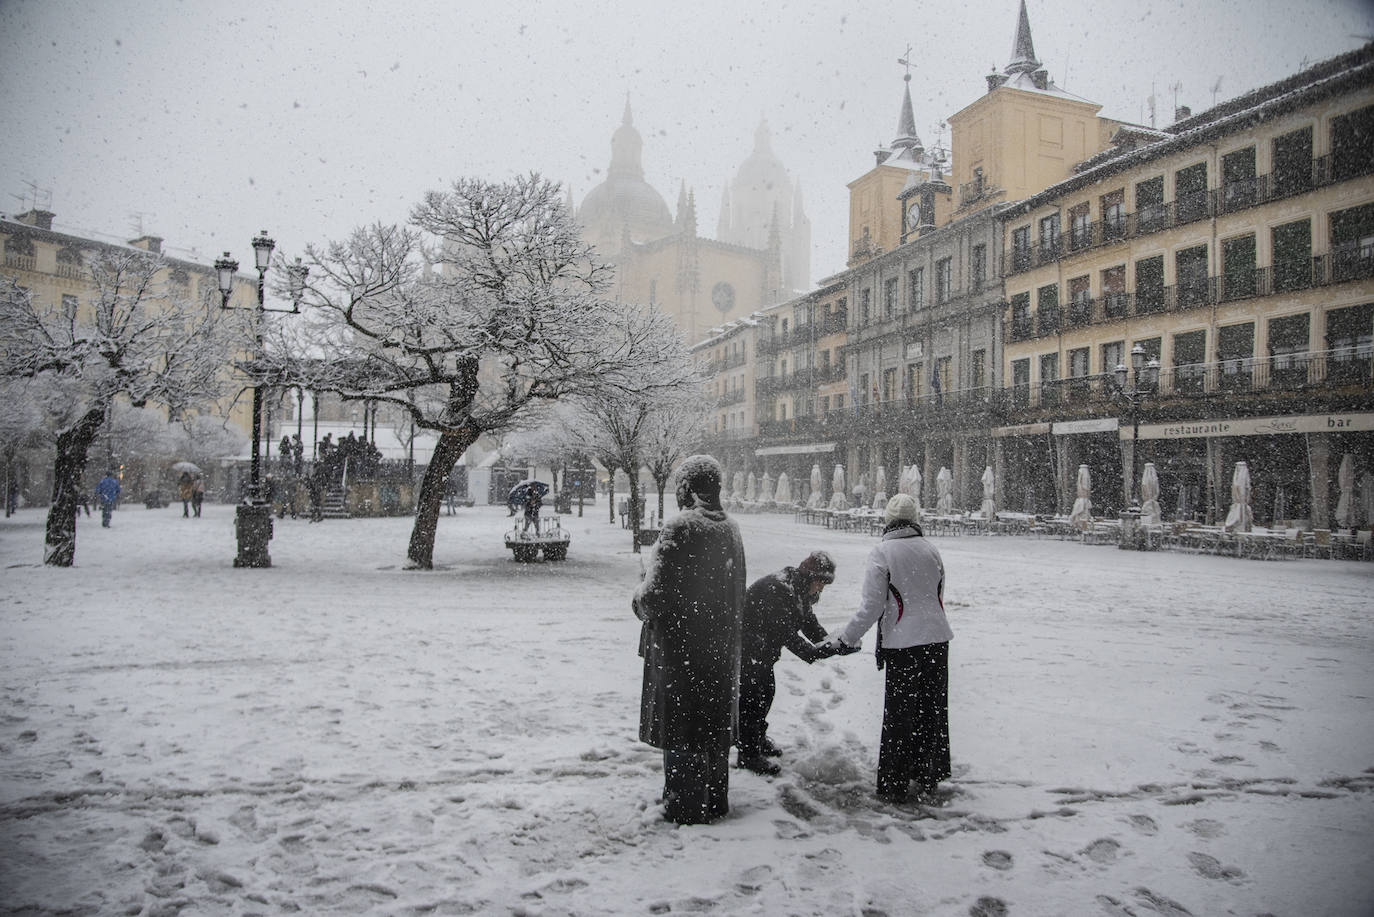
x: 915, y: 739
x: 696, y: 784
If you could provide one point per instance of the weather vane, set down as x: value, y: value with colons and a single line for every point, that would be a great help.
x: 905, y: 61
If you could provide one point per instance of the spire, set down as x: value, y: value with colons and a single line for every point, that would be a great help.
x: 626, y: 148
x: 798, y: 211
x: 723, y: 221
x: 1023, y: 49
x: 689, y: 220
x: 681, y: 202
x: 762, y: 139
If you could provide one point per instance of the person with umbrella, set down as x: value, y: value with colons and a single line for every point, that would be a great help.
x: 528, y: 494
x: 185, y: 490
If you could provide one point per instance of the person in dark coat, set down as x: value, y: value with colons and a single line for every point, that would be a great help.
x: 107, y: 491
x: 185, y: 489
x: 691, y: 603
x: 777, y: 614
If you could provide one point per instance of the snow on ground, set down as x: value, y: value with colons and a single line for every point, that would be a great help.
x: 1133, y: 734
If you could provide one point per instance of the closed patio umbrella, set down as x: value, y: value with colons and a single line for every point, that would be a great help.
x: 1150, y: 513
x: 1081, y: 515
x: 880, y: 489
x: 783, y: 494
x: 1345, y: 504
x: 838, y: 500
x: 750, y: 488
x: 737, y: 487
x: 944, y: 492
x: 817, y: 494
x: 766, y: 488
x: 915, y: 487
x: 989, y: 507
x: 1239, y: 517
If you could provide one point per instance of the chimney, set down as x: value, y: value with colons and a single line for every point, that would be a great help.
x: 882, y: 155
x: 148, y: 244
x: 41, y: 219
x: 1182, y: 113
x: 1041, y: 79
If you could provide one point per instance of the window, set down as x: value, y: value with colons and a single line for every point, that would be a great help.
x: 1113, y: 355
x: 1049, y: 238
x: 944, y: 279
x: 978, y: 268
x: 1080, y: 230
x: 915, y: 379
x: 916, y: 288
x: 825, y: 361
x: 1149, y: 285
x: 1080, y: 301
x: 1020, y: 317
x: 890, y: 297
x: 890, y: 384
x: 940, y: 382
x: 784, y: 328
x: 825, y: 404
x: 1238, y: 274
x: 1239, y: 187
x: 1047, y: 309
x: 978, y: 368
x: 1350, y: 341
x: 864, y: 302
x: 1352, y: 144
x: 1293, y: 162
x: 1078, y: 372
x: 1114, y: 292
x: 1190, y: 265
x: 1020, y: 382
x: 68, y: 307
x: 1190, y: 362
x: 839, y: 402
x: 1292, y: 246
x: 1149, y: 204
x: 1049, y: 379
x: 1020, y: 248
x: 1235, y: 352
x: 1190, y: 193
x: 1288, y: 351
x: 863, y: 388
x: 1352, y: 243
x: 1113, y: 214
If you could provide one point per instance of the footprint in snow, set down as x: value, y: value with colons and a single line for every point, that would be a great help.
x: 997, y: 859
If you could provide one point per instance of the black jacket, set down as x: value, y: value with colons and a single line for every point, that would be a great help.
x: 777, y: 613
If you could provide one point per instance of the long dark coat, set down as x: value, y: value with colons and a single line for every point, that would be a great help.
x: 691, y: 603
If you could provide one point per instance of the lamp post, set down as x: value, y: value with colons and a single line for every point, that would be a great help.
x: 253, y: 524
x: 1144, y: 377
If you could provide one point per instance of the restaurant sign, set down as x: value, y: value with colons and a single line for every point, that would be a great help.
x: 1255, y: 426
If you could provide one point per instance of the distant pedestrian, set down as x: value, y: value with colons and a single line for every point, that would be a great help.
x: 197, y: 495
x: 691, y: 602
x: 533, y: 503
x: 185, y: 488
x: 903, y: 593
x: 316, y: 487
x: 108, y: 492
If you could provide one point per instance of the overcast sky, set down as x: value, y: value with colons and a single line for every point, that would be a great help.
x: 203, y: 122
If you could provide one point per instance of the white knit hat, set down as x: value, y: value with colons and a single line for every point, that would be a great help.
x: 901, y: 508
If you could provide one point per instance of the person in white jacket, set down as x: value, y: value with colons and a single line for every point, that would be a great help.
x: 903, y: 593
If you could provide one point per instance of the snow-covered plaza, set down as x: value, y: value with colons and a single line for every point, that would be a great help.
x: 1133, y: 733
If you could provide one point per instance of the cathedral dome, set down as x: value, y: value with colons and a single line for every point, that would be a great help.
x: 624, y: 201
x: 760, y: 191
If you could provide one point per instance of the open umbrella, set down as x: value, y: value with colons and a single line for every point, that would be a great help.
x: 1345, y: 505
x: 784, y: 491
x: 1150, y: 513
x: 944, y: 492
x: 989, y: 507
x: 817, y: 495
x: 1239, y: 517
x: 519, y: 493
x: 191, y: 467
x: 1082, y: 514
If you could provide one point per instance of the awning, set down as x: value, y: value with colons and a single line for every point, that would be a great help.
x: 807, y: 449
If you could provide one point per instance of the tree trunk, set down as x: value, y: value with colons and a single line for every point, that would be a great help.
x: 662, y: 483
x: 635, y: 511
x: 59, y: 548
x: 447, y: 452
x: 610, y: 493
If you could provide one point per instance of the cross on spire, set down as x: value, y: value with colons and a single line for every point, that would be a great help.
x: 905, y: 61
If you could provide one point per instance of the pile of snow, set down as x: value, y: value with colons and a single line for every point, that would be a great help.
x: 1133, y: 733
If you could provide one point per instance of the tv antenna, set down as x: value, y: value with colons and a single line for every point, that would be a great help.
x: 34, y: 197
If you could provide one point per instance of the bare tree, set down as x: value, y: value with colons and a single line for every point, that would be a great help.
x: 134, y: 338
x: 22, y: 427
x: 675, y: 429
x: 485, y: 306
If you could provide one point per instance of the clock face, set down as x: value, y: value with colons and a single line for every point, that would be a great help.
x: 723, y: 297
x: 913, y: 216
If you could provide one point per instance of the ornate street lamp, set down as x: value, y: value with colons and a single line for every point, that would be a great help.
x: 254, y: 514
x: 1144, y: 379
